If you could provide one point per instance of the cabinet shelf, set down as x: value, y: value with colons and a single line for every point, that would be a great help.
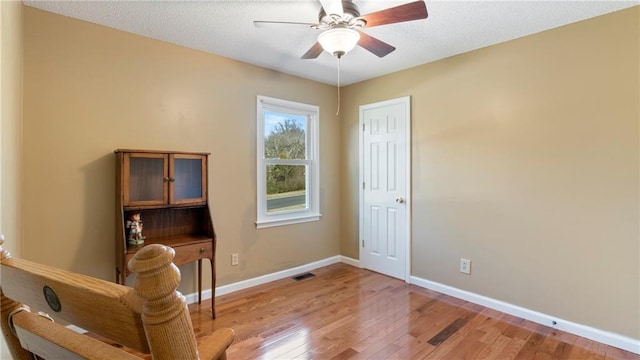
x: 168, y: 190
x: 148, y: 207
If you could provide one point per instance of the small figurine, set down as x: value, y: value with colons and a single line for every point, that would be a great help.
x: 134, y: 224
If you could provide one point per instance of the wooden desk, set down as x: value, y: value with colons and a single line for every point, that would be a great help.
x: 188, y: 249
x: 168, y: 190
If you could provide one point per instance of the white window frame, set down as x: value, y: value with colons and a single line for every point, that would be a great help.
x: 312, y: 211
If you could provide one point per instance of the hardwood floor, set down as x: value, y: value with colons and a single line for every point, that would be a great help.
x: 348, y: 313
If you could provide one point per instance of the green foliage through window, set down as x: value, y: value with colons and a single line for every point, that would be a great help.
x: 285, y: 139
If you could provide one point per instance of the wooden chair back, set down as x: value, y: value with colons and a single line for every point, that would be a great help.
x: 150, y: 318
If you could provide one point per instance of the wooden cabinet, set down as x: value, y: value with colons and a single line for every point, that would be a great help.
x: 169, y: 191
x: 151, y: 178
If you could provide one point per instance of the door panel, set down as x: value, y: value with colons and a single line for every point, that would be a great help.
x: 375, y: 239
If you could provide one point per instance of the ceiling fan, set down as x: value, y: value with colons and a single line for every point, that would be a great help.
x: 342, y: 23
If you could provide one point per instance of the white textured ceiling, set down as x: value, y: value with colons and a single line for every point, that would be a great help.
x: 225, y: 27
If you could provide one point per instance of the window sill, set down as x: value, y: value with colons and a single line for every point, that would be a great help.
x: 288, y: 221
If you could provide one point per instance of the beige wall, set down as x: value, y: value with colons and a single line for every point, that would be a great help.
x: 11, y: 122
x: 525, y: 159
x: 89, y: 89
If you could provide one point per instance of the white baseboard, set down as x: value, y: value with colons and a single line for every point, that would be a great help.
x: 245, y: 284
x: 605, y: 337
x: 350, y: 261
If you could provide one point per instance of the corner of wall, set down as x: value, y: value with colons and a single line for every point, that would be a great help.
x: 11, y: 71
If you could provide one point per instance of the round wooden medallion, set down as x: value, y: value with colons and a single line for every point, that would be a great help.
x: 52, y: 299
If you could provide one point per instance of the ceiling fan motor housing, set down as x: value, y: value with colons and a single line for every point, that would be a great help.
x: 350, y: 17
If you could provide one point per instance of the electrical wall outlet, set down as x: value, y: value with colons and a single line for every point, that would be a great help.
x: 465, y: 266
x: 234, y: 259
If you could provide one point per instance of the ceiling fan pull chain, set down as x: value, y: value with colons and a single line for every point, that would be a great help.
x: 338, y: 111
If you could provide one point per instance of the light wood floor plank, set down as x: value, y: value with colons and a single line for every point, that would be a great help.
x: 345, y: 312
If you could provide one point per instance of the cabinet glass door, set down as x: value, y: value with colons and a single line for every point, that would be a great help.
x: 145, y: 179
x: 188, y: 178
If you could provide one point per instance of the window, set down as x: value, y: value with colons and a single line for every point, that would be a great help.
x: 287, y: 160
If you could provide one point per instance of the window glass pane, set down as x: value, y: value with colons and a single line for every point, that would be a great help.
x: 286, y: 188
x: 284, y: 136
x: 188, y: 183
x: 146, y: 179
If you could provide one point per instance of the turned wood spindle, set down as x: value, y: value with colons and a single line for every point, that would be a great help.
x: 165, y: 314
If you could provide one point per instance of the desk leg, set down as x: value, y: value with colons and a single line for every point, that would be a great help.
x: 199, y: 281
x: 213, y: 289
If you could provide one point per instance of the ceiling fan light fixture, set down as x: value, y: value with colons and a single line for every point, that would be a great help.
x: 339, y: 41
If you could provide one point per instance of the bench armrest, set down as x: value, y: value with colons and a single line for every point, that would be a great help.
x: 214, y: 346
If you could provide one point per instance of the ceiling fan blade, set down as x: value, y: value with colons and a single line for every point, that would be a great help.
x: 313, y: 52
x: 332, y: 7
x: 261, y: 24
x: 412, y: 11
x: 377, y: 47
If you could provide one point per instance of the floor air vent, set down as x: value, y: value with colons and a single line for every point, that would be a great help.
x: 303, y: 276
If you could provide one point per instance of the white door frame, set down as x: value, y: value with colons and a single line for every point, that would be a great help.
x: 406, y: 101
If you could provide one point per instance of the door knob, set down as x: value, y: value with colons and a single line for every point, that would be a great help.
x: 400, y: 200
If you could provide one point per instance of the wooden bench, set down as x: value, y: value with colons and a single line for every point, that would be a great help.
x: 150, y: 318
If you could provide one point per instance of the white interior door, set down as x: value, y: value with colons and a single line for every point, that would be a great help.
x: 385, y: 176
